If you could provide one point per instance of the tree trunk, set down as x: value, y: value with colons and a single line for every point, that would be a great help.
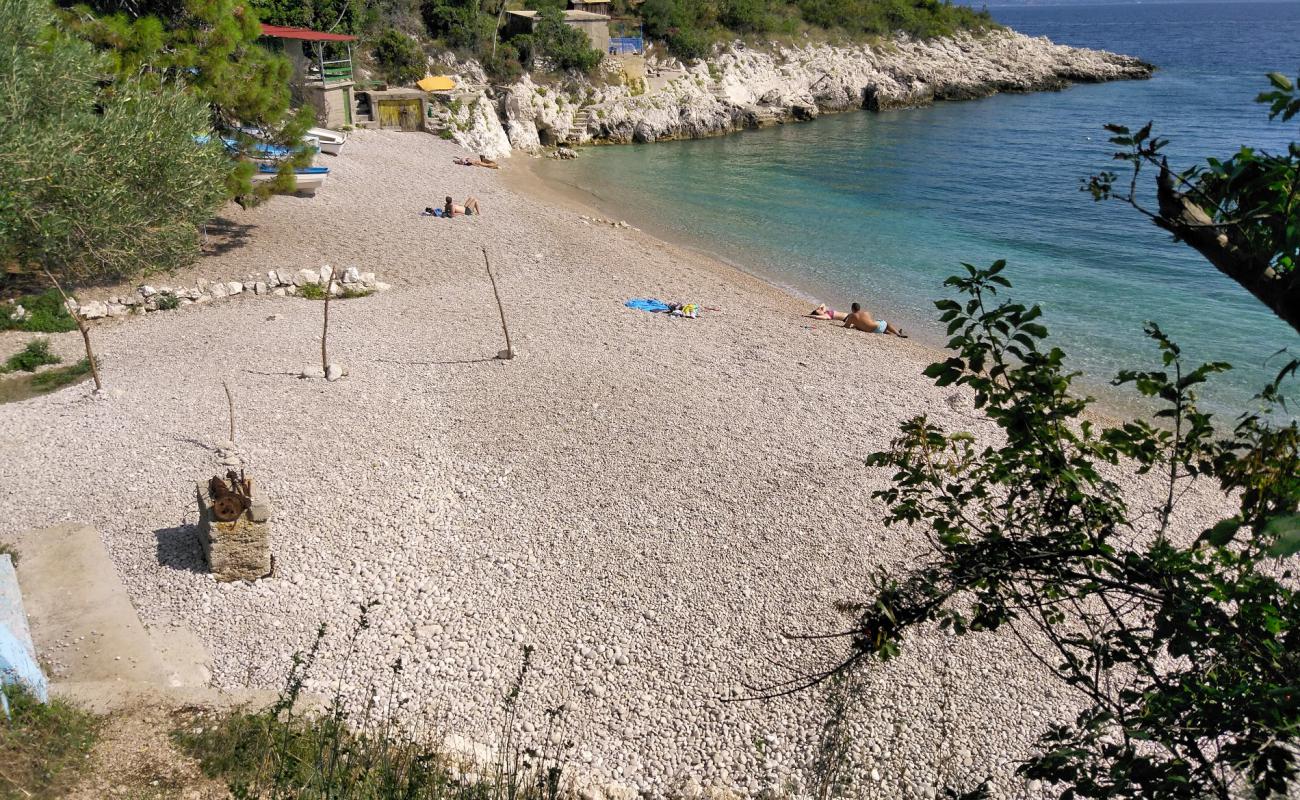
x: 1189, y: 223
x: 81, y: 326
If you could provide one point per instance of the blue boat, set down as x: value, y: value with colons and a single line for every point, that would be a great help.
x: 272, y: 169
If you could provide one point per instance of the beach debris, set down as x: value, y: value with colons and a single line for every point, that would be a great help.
x: 230, y: 496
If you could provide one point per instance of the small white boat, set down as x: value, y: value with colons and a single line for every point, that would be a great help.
x: 306, y: 182
x: 329, y: 141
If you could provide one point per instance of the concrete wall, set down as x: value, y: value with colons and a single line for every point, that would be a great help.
x: 597, y: 31
x: 17, y: 653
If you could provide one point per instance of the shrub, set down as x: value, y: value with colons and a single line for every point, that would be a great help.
x: 35, y: 355
x: 168, y: 302
x: 52, y: 379
x: 399, y: 57
x: 312, y: 291
x: 567, y: 48
x: 45, y: 314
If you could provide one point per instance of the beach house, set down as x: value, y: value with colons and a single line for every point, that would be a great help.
x: 589, y: 16
x: 322, y: 70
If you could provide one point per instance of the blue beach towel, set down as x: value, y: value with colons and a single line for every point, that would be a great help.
x: 647, y: 304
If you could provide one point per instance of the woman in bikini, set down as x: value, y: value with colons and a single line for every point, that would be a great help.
x: 822, y: 312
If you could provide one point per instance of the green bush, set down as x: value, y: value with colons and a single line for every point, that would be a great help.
x: 399, y: 57
x: 564, y: 46
x: 312, y: 291
x: 168, y: 302
x: 459, y: 24
x: 52, y: 379
x: 32, y: 357
x: 45, y: 314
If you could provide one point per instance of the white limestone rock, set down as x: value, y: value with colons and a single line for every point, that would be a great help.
x: 95, y: 309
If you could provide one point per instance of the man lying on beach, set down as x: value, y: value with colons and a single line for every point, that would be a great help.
x: 861, y: 320
x: 470, y: 208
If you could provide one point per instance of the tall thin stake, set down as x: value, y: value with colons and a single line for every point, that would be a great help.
x: 325, y: 331
x: 230, y: 403
x: 509, y: 351
x: 81, y: 326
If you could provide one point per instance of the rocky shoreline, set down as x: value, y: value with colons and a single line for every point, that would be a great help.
x: 744, y: 88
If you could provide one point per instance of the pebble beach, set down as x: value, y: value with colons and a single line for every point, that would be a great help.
x: 649, y: 503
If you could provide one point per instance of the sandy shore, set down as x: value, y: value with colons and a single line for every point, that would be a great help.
x: 647, y: 501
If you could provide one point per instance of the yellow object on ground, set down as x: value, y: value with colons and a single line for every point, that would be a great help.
x: 436, y: 83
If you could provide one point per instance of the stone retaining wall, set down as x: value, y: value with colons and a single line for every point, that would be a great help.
x: 278, y: 283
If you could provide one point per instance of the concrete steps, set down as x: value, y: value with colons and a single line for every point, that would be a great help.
x: 84, y: 626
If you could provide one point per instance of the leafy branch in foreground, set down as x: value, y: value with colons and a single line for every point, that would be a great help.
x: 1183, y: 647
x: 1242, y: 214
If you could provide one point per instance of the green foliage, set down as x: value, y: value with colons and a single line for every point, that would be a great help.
x: 1029, y: 529
x: 312, y: 291
x: 167, y: 301
x: 45, y: 314
x: 8, y: 550
x: 208, y: 47
x: 32, y: 357
x: 43, y: 746
x: 400, y: 58
x: 283, y: 752
x: 563, y: 46
x: 96, y: 182
x: 316, y: 291
x: 338, y: 16
x: 52, y: 379
x: 1241, y: 213
x: 690, y: 27
x: 460, y: 24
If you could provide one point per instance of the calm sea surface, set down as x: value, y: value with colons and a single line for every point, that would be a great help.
x: 882, y: 207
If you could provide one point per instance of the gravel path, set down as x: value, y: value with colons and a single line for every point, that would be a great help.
x: 647, y: 501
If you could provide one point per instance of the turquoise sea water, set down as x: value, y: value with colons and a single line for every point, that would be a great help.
x: 881, y: 207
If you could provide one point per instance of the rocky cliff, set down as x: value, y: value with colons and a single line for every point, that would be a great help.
x: 745, y: 88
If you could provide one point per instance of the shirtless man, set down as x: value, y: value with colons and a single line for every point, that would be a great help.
x: 470, y: 208
x: 861, y: 320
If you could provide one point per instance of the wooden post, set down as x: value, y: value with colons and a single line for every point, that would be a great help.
x: 509, y: 352
x: 81, y: 326
x: 325, y: 331
x: 230, y: 404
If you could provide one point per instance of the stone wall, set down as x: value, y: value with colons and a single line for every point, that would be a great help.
x: 278, y: 283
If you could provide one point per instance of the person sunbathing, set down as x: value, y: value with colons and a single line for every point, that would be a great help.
x: 861, y: 320
x: 822, y: 312
x: 481, y: 161
x: 470, y: 208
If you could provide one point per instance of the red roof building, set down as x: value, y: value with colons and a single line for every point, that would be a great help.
x: 285, y: 32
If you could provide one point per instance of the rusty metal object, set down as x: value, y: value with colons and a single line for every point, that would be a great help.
x: 231, y: 496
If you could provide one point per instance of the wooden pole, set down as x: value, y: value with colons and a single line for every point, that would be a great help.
x: 325, y: 331
x: 230, y: 404
x: 509, y: 352
x: 81, y: 326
